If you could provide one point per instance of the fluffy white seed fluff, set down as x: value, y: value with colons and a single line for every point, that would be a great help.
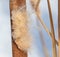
x: 20, y: 29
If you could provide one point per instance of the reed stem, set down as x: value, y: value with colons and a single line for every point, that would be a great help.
x: 52, y: 35
x: 37, y: 11
x: 52, y: 31
x: 59, y: 28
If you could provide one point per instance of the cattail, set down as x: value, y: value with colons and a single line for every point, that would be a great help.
x: 20, y: 33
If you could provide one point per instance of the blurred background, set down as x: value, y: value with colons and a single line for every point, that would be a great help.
x: 36, y: 49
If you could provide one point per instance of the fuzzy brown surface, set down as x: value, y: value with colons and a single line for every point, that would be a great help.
x: 14, y: 4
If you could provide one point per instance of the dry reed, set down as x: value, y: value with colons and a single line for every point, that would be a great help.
x: 59, y: 28
x: 52, y: 31
x: 37, y: 11
x: 54, y: 42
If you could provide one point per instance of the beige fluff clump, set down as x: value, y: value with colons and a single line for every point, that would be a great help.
x: 20, y: 29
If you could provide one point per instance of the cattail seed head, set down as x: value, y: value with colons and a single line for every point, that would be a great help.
x: 20, y: 32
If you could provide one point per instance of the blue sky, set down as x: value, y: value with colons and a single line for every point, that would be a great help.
x: 36, y: 48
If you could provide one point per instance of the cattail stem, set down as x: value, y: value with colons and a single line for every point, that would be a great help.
x: 59, y: 28
x: 52, y: 31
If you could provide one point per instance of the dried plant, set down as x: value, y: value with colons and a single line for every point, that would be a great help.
x: 20, y: 32
x: 37, y: 11
x: 52, y: 31
x: 58, y: 28
x: 54, y: 42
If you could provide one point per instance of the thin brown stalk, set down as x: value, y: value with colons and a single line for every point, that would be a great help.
x: 54, y: 42
x: 59, y: 28
x: 52, y: 31
x: 37, y: 11
x: 43, y: 24
x: 45, y: 27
